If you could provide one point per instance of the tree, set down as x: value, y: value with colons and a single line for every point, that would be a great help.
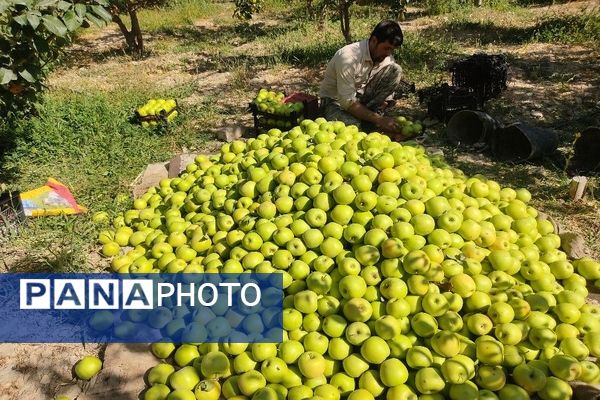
x: 342, y: 7
x: 33, y: 36
x: 245, y: 9
x: 133, y: 36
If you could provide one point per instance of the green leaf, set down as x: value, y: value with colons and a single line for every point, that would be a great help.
x: 63, y: 5
x: 55, y: 25
x: 94, y: 20
x: 45, y: 4
x: 102, y: 13
x: 72, y: 20
x: 80, y: 9
x: 27, y: 76
x: 33, y: 19
x: 6, y: 75
x: 21, y: 20
x: 4, y: 5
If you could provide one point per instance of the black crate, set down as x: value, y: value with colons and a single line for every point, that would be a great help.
x: 12, y: 215
x: 443, y: 101
x: 485, y: 74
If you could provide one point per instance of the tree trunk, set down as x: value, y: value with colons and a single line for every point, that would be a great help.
x: 310, y: 10
x: 133, y: 36
x: 129, y: 39
x: 345, y: 19
x: 136, y: 30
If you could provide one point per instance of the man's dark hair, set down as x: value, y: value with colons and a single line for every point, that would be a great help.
x: 388, y: 31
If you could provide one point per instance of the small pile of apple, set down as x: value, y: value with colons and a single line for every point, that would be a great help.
x: 409, y: 128
x: 271, y: 102
x: 163, y: 108
x: 404, y: 278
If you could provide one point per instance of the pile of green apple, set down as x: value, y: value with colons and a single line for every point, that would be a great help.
x: 404, y: 278
x: 271, y: 102
x: 409, y: 128
x: 163, y: 108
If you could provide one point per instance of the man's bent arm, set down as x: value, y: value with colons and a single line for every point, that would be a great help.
x: 361, y: 112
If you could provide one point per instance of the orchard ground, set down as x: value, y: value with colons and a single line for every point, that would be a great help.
x: 214, y: 65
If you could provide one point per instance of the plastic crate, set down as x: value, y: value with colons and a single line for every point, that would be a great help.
x: 444, y: 101
x: 485, y: 74
x: 264, y: 120
x: 12, y: 215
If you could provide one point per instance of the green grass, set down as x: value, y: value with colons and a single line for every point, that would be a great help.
x: 180, y: 13
x: 581, y: 28
x: 569, y: 29
x: 87, y: 142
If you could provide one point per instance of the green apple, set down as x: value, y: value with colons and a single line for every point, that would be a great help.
x: 250, y: 382
x: 392, y: 372
x: 435, y: 304
x: 419, y: 357
x: 184, y: 379
x: 157, y: 391
x: 162, y: 350
x: 467, y: 390
x: 555, y: 389
x: 529, y: 378
x: 314, y: 341
x: 424, y: 324
x: 311, y: 364
x: 357, y: 310
x: 512, y: 392
x: 590, y: 372
x: 357, y: 332
x: 327, y: 392
x: 429, y: 380
x: 574, y: 347
x: 290, y: 350
x: 445, y: 343
x: 508, y: 334
x: 479, y: 324
x: 491, y: 377
x: 344, y: 383
x: 458, y: 369
x: 361, y: 394
x: 160, y: 373
x: 334, y: 325
x: 375, y: 350
x: 208, y: 389
x: 88, y: 367
x: 370, y: 381
x: 306, y: 301
x: 565, y: 367
x: 273, y: 369
x: 355, y: 365
x: 352, y: 286
x: 215, y: 365
x: 489, y: 351
x: 181, y: 394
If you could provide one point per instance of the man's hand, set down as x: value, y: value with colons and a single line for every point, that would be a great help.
x: 388, y: 125
x: 385, y: 124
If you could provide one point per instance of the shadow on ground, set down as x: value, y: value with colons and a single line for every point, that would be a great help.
x: 559, y: 29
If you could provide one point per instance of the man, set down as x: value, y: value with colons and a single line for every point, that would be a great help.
x: 360, y: 77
